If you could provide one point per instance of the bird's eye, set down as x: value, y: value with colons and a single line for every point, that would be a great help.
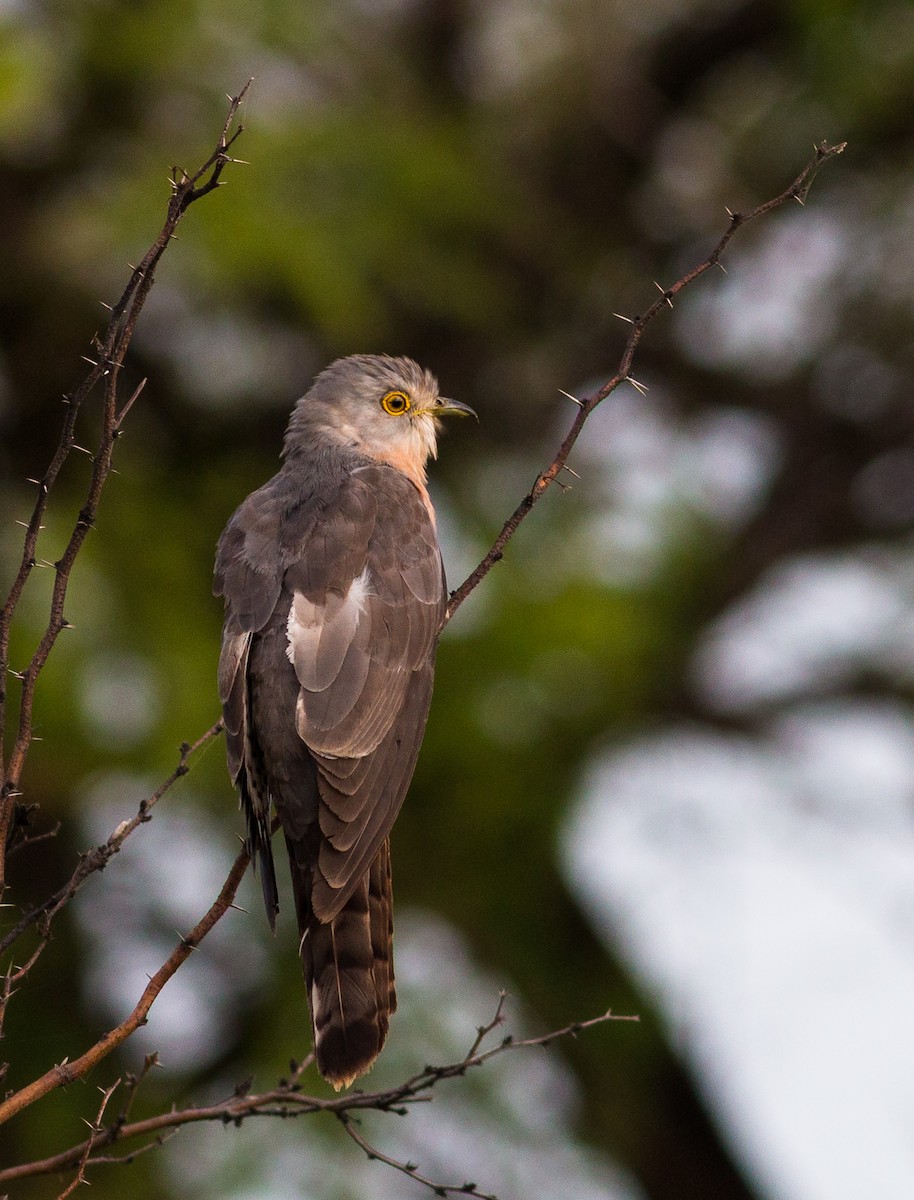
x: 395, y: 403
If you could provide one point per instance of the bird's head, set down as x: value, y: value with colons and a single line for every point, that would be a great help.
x: 386, y: 408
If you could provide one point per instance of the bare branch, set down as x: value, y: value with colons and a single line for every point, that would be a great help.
x: 287, y: 1100
x: 410, y: 1170
x: 797, y: 190
x: 80, y: 1176
x: 105, y: 366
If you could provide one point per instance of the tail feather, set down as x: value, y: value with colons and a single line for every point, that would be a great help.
x: 381, y: 920
x: 348, y: 969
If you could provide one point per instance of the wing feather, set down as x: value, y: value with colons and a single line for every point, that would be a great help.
x: 339, y: 870
x: 349, y: 571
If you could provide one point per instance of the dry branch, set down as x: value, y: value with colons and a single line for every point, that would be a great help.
x: 110, y: 350
x: 287, y: 1100
x: 798, y: 190
x: 89, y: 863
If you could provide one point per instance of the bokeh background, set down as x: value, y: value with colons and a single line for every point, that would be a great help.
x: 670, y: 762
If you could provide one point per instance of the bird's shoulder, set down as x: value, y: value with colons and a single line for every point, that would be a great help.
x: 316, y: 525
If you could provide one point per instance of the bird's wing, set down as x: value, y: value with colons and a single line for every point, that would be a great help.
x: 368, y: 596
x: 363, y: 570
x: 249, y: 575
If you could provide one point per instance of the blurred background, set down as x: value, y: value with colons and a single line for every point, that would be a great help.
x: 670, y: 762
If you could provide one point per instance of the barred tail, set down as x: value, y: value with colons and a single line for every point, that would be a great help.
x: 348, y: 969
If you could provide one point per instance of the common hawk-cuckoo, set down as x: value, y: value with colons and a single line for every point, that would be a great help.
x: 334, y: 596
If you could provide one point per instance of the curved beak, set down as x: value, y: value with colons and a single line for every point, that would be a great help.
x: 444, y: 406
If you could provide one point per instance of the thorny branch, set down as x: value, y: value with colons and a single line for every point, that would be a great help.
x: 798, y: 190
x: 110, y: 350
x: 80, y: 1176
x: 90, y: 862
x: 288, y: 1100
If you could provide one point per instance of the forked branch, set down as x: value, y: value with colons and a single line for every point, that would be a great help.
x: 288, y: 1100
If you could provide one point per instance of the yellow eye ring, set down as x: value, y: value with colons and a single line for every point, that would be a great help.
x: 395, y: 403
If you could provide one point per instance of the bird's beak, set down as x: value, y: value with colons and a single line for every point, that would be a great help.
x: 443, y: 406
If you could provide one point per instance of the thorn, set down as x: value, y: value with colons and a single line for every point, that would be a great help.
x: 105, y: 304
x: 569, y: 396
x: 81, y: 449
x: 663, y: 293
x: 723, y: 268
x: 24, y: 524
x: 627, y: 320
x: 565, y: 467
x: 729, y: 211
x: 639, y: 387
x: 90, y: 361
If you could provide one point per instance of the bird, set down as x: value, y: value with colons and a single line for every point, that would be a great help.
x: 335, y: 595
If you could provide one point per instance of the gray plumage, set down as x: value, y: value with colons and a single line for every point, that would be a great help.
x: 334, y: 596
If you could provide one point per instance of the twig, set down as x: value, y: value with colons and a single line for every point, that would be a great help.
x: 287, y: 1100
x: 27, y: 840
x: 410, y: 1170
x: 80, y: 1176
x: 133, y: 1084
x: 798, y: 190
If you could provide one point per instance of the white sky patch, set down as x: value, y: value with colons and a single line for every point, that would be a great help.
x: 769, y: 912
x: 810, y: 624
x: 225, y: 358
x: 645, y: 473
x: 776, y: 306
x: 120, y: 699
